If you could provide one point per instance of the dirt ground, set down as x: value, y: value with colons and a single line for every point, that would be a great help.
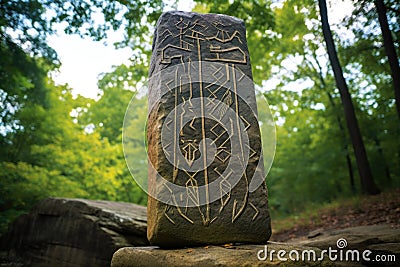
x: 380, y: 209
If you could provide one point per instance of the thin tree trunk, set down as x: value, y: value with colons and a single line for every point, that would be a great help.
x: 380, y: 151
x: 368, y: 185
x: 345, y: 145
x: 390, y: 50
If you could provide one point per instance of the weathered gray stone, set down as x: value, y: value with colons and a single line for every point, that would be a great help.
x: 200, y: 64
x: 73, y: 232
x: 241, y: 255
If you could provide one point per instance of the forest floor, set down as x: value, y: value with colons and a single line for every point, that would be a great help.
x: 367, y: 210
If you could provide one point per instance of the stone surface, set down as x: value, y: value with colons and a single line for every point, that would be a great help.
x: 357, y: 237
x: 206, y: 173
x: 73, y: 232
x: 379, y: 239
x: 241, y: 255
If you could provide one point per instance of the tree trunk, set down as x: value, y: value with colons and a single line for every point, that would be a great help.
x: 390, y: 50
x: 380, y: 151
x: 345, y: 145
x: 368, y: 185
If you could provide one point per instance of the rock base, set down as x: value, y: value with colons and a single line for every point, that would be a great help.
x: 380, y: 240
x: 228, y: 255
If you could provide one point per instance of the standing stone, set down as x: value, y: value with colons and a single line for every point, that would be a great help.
x: 206, y: 174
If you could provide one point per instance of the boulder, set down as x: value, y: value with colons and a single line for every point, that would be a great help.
x: 73, y: 232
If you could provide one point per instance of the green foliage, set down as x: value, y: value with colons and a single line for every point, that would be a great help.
x: 259, y: 19
x: 54, y: 144
x: 33, y: 20
x: 134, y: 140
x: 23, y: 184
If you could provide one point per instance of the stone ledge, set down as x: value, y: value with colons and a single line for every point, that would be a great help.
x: 229, y: 255
x: 379, y: 239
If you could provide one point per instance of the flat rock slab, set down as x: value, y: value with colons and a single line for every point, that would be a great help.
x: 379, y: 239
x: 241, y: 255
x: 72, y: 232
